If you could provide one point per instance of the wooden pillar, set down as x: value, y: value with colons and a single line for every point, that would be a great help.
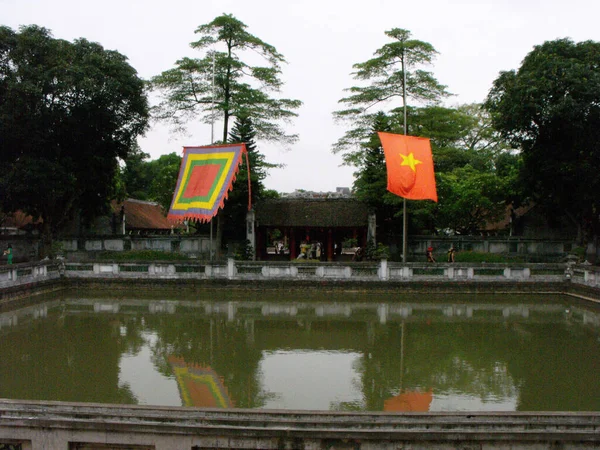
x: 260, y: 249
x: 293, y: 253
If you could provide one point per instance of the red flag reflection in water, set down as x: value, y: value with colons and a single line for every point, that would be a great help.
x: 409, y: 401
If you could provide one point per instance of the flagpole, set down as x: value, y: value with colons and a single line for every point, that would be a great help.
x: 404, y: 215
x: 212, y: 140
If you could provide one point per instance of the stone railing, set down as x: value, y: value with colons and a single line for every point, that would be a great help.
x: 65, y: 426
x: 383, y: 271
x: 27, y: 273
x: 369, y: 271
x: 586, y: 275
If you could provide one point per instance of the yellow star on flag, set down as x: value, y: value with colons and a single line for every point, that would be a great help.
x: 409, y: 161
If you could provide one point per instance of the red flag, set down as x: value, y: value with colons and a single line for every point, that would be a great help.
x: 409, y: 166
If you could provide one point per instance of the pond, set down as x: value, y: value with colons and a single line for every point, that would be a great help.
x: 352, y: 351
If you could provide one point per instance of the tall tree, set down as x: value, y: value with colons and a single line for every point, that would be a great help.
x: 68, y: 112
x: 164, y: 172
x: 236, y: 206
x: 153, y: 180
x: 386, y: 73
x: 470, y: 198
x: 476, y: 174
x: 221, y: 85
x: 370, y: 185
x: 135, y: 174
x: 550, y: 108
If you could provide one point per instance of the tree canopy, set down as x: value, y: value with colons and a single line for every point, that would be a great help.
x: 385, y: 78
x: 476, y: 173
x: 236, y: 206
x: 221, y: 85
x: 550, y: 108
x: 68, y: 111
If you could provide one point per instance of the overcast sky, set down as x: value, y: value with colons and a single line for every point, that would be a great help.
x: 321, y: 40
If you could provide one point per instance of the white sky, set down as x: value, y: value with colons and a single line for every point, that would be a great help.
x: 321, y: 40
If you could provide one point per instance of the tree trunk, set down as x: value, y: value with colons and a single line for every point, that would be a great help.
x: 47, y: 239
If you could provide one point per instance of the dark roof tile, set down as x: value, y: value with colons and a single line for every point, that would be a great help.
x: 314, y: 212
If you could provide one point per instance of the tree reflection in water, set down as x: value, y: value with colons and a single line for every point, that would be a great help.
x: 446, y: 354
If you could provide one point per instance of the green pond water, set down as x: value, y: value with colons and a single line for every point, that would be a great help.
x: 296, y: 350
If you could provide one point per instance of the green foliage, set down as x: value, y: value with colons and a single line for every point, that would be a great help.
x: 164, y: 171
x: 135, y: 175
x: 468, y: 199
x: 550, y: 108
x: 221, y: 83
x: 384, y: 74
x: 246, y: 254
x: 234, y: 212
x: 270, y: 193
x: 377, y: 252
x: 68, y: 112
x: 579, y: 252
x: 153, y: 180
x: 350, y: 243
x: 477, y: 177
x: 274, y: 235
x: 141, y: 255
x: 56, y: 250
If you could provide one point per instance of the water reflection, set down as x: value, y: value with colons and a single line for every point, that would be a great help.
x: 362, y: 353
x: 409, y: 401
x: 199, y: 385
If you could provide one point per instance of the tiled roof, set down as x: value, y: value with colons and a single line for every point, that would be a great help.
x: 504, y: 223
x: 141, y: 215
x: 19, y: 220
x: 314, y: 212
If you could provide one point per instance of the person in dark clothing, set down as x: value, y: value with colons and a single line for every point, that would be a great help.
x: 429, y: 254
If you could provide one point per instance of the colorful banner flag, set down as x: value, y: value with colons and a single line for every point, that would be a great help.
x: 205, y: 179
x: 409, y: 166
x: 199, y: 386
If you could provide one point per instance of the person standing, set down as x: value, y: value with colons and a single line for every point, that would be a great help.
x: 451, y: 253
x: 429, y: 254
x: 9, y: 254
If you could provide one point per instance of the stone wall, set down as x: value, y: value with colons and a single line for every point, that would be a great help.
x: 26, y: 248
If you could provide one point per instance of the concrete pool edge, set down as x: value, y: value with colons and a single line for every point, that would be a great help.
x: 57, y: 425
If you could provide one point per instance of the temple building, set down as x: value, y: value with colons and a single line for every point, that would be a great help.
x: 287, y: 225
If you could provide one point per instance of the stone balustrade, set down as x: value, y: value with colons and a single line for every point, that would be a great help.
x: 383, y: 271
x: 21, y: 274
x: 370, y: 271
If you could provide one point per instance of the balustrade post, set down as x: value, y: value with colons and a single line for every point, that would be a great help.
x: 384, y: 273
x: 230, y: 268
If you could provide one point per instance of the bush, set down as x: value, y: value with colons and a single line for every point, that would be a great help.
x: 245, y: 254
x: 377, y: 252
x: 579, y: 252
